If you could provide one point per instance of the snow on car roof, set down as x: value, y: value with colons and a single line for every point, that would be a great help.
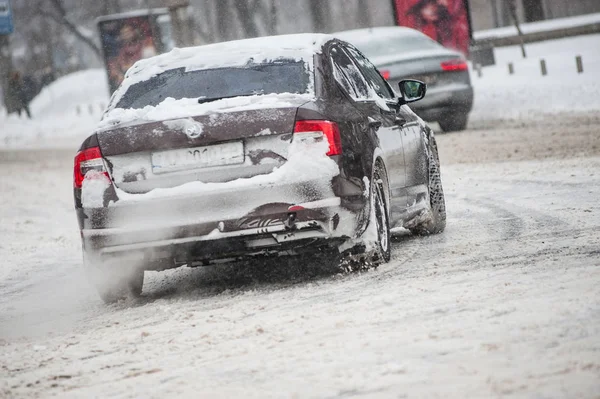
x: 232, y: 53
x: 218, y: 55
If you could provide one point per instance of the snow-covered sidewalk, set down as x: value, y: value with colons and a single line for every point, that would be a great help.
x: 64, y: 113
x: 527, y: 95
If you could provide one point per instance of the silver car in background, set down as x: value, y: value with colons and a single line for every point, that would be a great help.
x: 403, y: 53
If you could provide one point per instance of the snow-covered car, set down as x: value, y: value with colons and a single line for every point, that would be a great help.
x: 403, y: 53
x: 259, y: 147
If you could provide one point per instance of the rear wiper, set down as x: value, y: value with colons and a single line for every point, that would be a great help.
x: 209, y: 100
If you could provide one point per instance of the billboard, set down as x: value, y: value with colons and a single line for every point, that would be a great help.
x: 6, y: 23
x: 446, y: 21
x: 127, y: 39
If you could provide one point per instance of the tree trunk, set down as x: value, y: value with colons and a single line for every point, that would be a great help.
x: 246, y: 16
x: 223, y: 23
x: 62, y: 19
x: 273, y: 12
x: 320, y: 11
x: 5, y: 68
x: 48, y: 38
x: 364, y: 16
x: 512, y: 8
x: 110, y: 7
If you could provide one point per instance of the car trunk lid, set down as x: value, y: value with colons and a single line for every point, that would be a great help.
x: 217, y: 147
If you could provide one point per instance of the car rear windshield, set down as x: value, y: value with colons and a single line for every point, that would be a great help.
x: 397, y: 44
x: 281, y: 76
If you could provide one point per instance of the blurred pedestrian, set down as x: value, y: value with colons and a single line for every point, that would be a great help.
x: 17, y: 94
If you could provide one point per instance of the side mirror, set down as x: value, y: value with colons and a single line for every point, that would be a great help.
x: 411, y: 90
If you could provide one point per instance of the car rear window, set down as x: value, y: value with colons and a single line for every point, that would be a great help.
x: 281, y: 76
x: 397, y: 44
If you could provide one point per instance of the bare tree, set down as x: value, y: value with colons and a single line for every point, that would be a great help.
x: 273, y: 12
x: 60, y: 17
x: 320, y: 11
x: 512, y: 9
x: 110, y: 7
x: 246, y: 10
x: 223, y: 8
x: 364, y: 16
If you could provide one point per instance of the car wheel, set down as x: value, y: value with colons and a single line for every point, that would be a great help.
x: 375, y: 247
x: 114, y: 280
x: 436, y: 223
x: 382, y: 221
x: 454, y: 122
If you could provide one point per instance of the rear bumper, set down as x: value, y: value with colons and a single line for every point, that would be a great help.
x: 222, y: 225
x: 228, y: 246
x: 440, y: 101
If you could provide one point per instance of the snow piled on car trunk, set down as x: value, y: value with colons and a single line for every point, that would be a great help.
x: 306, y: 161
x: 172, y: 108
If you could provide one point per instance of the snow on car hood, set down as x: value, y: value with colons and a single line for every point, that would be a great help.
x: 171, y: 108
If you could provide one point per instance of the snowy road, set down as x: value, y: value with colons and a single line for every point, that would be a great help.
x: 506, y: 302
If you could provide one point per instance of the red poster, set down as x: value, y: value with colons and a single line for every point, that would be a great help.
x: 446, y: 21
x: 125, y: 41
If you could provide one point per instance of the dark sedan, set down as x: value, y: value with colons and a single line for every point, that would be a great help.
x: 261, y: 147
x: 404, y: 53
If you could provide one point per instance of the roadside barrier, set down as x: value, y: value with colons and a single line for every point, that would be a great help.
x: 544, y: 67
x: 90, y: 109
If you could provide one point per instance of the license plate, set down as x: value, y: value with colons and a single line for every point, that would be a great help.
x: 198, y: 157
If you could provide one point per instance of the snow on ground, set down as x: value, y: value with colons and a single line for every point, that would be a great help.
x: 504, y: 303
x: 529, y: 95
x: 64, y: 113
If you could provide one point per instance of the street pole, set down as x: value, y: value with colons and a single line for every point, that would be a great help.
x: 5, y: 65
x: 512, y: 8
x: 495, y: 13
x: 180, y: 22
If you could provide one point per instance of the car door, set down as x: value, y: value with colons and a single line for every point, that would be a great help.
x: 380, y: 120
x: 386, y: 102
x: 415, y: 154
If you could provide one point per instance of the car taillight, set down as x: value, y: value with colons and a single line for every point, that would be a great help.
x: 318, y: 128
x: 454, y: 65
x: 385, y: 74
x: 85, y: 161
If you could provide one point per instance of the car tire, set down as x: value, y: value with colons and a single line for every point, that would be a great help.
x: 436, y: 223
x: 381, y: 214
x: 114, y: 280
x: 375, y: 247
x: 454, y: 122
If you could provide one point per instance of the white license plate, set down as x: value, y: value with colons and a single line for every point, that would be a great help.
x: 198, y: 157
